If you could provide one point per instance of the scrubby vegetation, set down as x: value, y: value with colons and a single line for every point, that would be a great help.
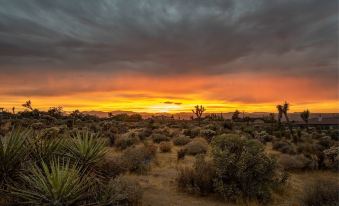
x: 51, y: 158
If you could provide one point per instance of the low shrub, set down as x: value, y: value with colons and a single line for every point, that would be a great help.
x: 197, y: 179
x: 120, y: 191
x: 127, y: 140
x: 208, y: 134
x: 112, y: 167
x: 181, y: 154
x: 181, y: 140
x: 139, y: 159
x: 165, y: 146
x: 332, y: 158
x: 295, y: 162
x: 321, y: 192
x: 284, y: 147
x: 157, y: 138
x: 197, y: 146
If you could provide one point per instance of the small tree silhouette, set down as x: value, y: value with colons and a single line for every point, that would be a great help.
x: 199, y: 110
x: 28, y: 105
x: 305, y: 116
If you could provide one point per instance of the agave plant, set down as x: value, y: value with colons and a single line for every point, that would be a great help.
x: 86, y: 149
x: 56, y: 183
x: 13, y: 153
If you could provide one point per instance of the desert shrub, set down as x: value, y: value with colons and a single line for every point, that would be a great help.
x: 295, y: 162
x: 243, y: 169
x: 138, y: 159
x: 334, y: 134
x: 112, y: 167
x: 264, y: 137
x: 284, y: 147
x: 120, y: 191
x: 325, y: 142
x: 181, y: 154
x: 45, y: 149
x: 321, y: 192
x: 13, y: 153
x: 157, y: 138
x: 208, y: 134
x: 181, y: 140
x: 197, y: 146
x: 332, y: 158
x: 144, y: 133
x: 86, y: 149
x: 56, y: 184
x: 52, y: 132
x: 127, y: 140
x: 165, y: 146
x: 192, y: 132
x: 197, y: 179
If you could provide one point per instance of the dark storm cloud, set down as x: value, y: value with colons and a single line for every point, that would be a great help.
x: 293, y: 37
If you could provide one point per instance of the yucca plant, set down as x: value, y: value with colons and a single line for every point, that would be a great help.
x: 45, y: 149
x: 86, y: 149
x: 57, y: 183
x: 13, y: 153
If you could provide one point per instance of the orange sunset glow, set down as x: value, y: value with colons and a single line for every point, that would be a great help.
x: 163, y: 57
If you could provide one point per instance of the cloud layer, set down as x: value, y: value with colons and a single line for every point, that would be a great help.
x: 60, y: 48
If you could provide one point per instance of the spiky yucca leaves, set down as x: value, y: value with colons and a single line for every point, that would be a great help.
x: 86, y: 149
x: 56, y: 183
x: 45, y: 149
x: 13, y: 153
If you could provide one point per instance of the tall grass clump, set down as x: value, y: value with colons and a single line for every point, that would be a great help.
x: 13, y: 153
x: 57, y: 183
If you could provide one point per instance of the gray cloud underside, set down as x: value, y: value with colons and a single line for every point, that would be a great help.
x: 293, y: 37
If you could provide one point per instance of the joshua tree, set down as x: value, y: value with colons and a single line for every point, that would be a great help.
x: 280, y: 113
x: 13, y: 110
x: 198, y: 112
x: 283, y: 109
x: 28, y: 105
x: 305, y: 116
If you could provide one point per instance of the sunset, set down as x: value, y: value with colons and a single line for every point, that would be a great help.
x: 135, y: 56
x: 169, y: 102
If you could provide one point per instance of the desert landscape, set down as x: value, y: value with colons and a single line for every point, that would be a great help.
x: 169, y: 103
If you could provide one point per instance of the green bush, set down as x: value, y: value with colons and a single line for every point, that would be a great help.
x: 13, y: 153
x: 208, y: 134
x: 181, y: 140
x: 86, y: 149
x: 321, y: 192
x: 56, y: 184
x: 243, y: 169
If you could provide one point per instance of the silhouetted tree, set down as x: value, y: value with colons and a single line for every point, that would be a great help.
x: 28, y: 105
x: 280, y: 113
x: 305, y: 116
x: 235, y: 116
x: 282, y: 110
x: 13, y: 110
x: 199, y: 110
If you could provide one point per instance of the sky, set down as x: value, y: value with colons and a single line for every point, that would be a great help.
x: 167, y: 56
